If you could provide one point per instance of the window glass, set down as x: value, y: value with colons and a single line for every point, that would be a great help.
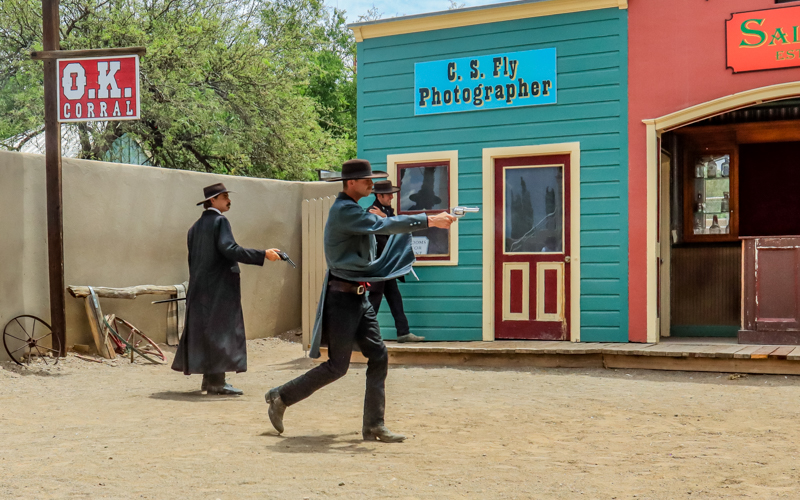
x: 424, y: 188
x: 534, y: 209
x: 712, y: 186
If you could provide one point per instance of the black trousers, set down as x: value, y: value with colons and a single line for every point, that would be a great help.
x: 347, y: 318
x: 214, y: 379
x: 390, y: 290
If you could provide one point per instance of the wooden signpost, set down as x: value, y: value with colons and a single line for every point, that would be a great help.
x: 67, y: 86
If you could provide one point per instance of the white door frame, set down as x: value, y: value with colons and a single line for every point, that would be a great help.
x: 573, y: 149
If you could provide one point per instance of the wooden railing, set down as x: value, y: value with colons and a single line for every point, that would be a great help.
x: 314, y: 215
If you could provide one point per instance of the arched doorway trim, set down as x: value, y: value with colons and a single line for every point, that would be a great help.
x: 654, y: 128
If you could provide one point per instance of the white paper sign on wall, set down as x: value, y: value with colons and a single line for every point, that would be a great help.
x: 420, y: 245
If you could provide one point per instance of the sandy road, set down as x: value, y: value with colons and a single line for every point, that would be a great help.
x: 89, y: 430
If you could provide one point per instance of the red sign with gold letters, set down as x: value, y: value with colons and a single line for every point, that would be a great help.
x: 763, y: 39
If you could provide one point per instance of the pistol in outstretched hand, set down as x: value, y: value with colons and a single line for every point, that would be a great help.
x: 285, y: 257
x: 459, y: 212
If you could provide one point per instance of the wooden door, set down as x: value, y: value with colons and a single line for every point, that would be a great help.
x: 532, y: 242
x: 771, y: 291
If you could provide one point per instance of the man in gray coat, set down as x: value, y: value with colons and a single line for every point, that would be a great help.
x: 344, y: 315
x: 213, y: 340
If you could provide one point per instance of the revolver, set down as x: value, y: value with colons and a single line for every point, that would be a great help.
x: 459, y: 212
x: 286, y: 258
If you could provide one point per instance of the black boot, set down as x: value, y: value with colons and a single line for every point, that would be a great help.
x: 381, y: 433
x: 215, y: 384
x: 225, y: 390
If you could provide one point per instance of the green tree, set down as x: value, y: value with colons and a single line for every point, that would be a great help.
x: 238, y: 87
x: 320, y: 36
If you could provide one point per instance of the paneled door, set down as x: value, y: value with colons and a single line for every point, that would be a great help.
x: 532, y: 241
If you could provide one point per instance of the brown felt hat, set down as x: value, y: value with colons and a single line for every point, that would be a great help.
x: 357, y: 169
x: 213, y: 190
x: 384, y: 187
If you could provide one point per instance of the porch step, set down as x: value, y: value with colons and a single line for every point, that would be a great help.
x: 714, y: 357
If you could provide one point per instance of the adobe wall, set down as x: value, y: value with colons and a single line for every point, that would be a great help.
x: 126, y: 225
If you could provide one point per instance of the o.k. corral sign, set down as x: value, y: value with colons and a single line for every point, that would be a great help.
x: 495, y: 81
x: 763, y: 39
x: 98, y: 89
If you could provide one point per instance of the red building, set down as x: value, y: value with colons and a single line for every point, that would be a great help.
x: 714, y: 173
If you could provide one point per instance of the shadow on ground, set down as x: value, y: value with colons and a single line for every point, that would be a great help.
x: 297, y: 364
x: 192, y: 397
x: 325, y: 443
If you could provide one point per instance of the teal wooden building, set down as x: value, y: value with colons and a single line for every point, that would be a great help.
x: 519, y: 109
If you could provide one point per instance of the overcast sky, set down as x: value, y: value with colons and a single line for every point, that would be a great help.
x: 355, y: 8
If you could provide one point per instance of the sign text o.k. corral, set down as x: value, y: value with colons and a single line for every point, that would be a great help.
x: 98, y: 89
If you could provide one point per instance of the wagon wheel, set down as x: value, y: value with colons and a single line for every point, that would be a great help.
x: 30, y: 341
x: 141, y: 343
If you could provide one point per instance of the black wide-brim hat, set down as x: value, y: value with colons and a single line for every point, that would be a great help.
x: 213, y: 191
x: 357, y: 169
x: 384, y: 187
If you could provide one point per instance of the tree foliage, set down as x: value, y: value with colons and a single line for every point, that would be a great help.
x: 247, y: 87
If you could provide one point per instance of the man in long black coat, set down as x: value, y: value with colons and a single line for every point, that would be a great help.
x: 382, y: 207
x: 213, y: 340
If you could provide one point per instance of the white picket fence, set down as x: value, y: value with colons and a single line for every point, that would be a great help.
x: 315, y: 215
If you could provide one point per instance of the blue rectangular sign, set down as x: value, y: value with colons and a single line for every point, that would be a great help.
x: 497, y: 81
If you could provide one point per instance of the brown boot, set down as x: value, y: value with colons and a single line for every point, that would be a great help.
x: 276, y: 409
x: 381, y: 433
x: 410, y: 337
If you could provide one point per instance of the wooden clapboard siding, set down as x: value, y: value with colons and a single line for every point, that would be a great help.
x: 592, y: 109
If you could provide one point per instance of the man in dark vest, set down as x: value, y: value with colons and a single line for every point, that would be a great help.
x: 344, y: 315
x: 382, y: 207
x: 213, y: 340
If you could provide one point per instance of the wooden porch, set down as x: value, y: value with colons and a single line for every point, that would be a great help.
x: 685, y: 354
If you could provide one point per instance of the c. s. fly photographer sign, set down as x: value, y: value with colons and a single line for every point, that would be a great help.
x: 98, y: 89
x: 495, y: 81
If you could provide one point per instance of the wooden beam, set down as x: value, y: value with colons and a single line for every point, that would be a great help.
x: 762, y: 352
x: 52, y: 132
x: 781, y: 352
x: 794, y: 355
x: 728, y: 352
x: 730, y: 365
x: 629, y: 349
x: 46, y: 55
x: 122, y: 293
x: 101, y: 343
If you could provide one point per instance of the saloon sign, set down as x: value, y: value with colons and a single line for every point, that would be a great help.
x: 98, y: 89
x: 763, y: 39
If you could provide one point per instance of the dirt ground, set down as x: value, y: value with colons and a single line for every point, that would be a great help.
x: 116, y: 430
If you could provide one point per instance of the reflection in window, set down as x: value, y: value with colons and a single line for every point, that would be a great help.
x: 425, y: 187
x: 534, y: 210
